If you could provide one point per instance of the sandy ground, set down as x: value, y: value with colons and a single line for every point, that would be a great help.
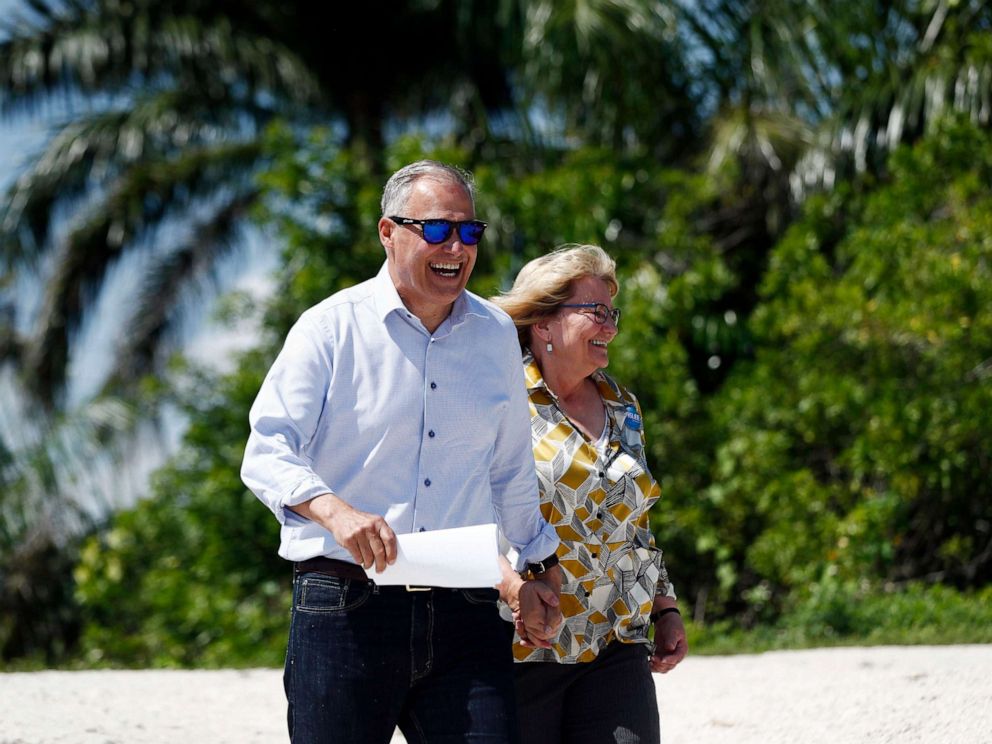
x: 836, y: 696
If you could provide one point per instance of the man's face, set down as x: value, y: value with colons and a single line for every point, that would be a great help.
x: 429, y: 277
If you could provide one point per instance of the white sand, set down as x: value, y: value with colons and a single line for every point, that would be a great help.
x: 834, y: 696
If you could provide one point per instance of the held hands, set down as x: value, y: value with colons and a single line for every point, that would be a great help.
x: 539, y: 618
x: 669, y: 642
x: 366, y: 536
x: 534, y: 603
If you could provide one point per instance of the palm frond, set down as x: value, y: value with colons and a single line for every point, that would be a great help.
x: 142, y: 197
x: 95, y: 147
x: 97, y: 47
x: 166, y: 282
x: 944, y: 67
x: 41, y: 456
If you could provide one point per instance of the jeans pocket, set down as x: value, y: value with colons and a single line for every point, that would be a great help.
x: 321, y: 594
x: 480, y: 596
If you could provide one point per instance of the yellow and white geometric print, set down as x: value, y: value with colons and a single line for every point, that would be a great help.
x: 598, y: 503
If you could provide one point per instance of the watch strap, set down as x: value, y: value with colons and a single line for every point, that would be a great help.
x: 541, y: 566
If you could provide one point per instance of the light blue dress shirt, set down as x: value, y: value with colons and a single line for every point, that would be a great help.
x: 430, y: 431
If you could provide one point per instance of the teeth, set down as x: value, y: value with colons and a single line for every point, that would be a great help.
x: 445, y: 266
x: 599, y: 343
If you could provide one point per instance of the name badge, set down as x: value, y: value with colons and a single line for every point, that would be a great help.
x: 631, y: 436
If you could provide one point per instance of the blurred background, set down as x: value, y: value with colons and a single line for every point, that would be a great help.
x: 797, y: 195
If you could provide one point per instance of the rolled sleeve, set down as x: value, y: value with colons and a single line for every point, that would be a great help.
x: 283, y: 420
x: 514, y: 479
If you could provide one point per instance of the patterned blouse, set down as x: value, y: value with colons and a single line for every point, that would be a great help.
x: 599, y: 506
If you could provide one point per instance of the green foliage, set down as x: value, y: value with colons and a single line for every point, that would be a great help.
x: 814, y: 454
x: 838, y: 614
x: 855, y: 444
x: 189, y: 576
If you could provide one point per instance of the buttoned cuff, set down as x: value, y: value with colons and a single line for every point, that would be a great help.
x: 538, y: 549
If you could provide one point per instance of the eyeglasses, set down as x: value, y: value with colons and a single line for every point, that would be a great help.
x: 438, y: 231
x: 600, y: 312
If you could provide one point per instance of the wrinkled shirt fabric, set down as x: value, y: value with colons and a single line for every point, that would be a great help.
x: 429, y: 430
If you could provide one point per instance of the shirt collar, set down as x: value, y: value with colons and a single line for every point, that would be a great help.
x: 388, y: 300
x: 609, y: 391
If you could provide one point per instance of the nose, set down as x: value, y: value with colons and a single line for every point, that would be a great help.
x: 454, y: 244
x: 610, y: 326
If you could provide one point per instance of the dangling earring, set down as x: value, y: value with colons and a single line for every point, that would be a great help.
x: 549, y: 347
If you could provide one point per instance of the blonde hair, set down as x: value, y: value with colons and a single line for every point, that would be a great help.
x: 545, y: 283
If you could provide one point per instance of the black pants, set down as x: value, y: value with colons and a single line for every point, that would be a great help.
x: 611, y: 699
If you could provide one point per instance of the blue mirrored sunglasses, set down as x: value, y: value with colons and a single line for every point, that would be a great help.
x: 438, y: 231
x: 600, y: 312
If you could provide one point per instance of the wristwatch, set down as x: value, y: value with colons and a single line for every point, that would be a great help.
x: 541, y: 566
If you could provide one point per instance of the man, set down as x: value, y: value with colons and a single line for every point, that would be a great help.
x: 399, y: 406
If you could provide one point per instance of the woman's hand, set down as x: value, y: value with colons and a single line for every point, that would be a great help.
x: 670, y: 645
x: 534, y: 604
x: 539, y: 618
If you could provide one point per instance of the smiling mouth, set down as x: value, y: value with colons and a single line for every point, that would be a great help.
x: 447, y: 270
x: 601, y: 344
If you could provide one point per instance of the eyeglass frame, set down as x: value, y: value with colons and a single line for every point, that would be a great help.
x: 453, y: 225
x: 606, y: 312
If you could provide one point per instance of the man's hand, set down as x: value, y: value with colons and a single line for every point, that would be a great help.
x: 539, y: 618
x: 670, y: 646
x: 366, y: 536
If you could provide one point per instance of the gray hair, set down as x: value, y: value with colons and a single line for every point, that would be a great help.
x: 397, y: 189
x: 545, y: 283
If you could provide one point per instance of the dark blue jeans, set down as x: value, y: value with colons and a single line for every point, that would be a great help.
x: 364, y: 659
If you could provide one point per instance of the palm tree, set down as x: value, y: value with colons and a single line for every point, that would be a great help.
x: 611, y: 72
x: 812, y: 90
x: 897, y: 69
x: 156, y: 156
x: 804, y: 93
x: 184, y: 89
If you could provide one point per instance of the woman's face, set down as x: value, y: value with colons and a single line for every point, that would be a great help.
x: 580, y: 343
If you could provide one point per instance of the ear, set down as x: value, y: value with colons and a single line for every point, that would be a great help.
x: 541, y: 330
x: 386, y: 227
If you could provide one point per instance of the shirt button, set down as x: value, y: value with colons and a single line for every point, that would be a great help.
x: 594, y: 554
x: 431, y: 433
x: 433, y: 386
x: 422, y: 529
x: 602, y: 474
x: 599, y: 515
x: 427, y: 482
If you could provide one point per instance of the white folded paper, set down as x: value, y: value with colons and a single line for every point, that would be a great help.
x: 466, y: 557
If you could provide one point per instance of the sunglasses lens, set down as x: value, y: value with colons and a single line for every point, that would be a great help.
x: 437, y: 231
x: 471, y: 232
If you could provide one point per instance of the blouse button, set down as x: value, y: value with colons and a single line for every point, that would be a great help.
x: 427, y: 482
x: 602, y: 474
x: 433, y: 386
x: 431, y: 433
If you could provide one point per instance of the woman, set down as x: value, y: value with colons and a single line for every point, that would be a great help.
x: 592, y: 682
